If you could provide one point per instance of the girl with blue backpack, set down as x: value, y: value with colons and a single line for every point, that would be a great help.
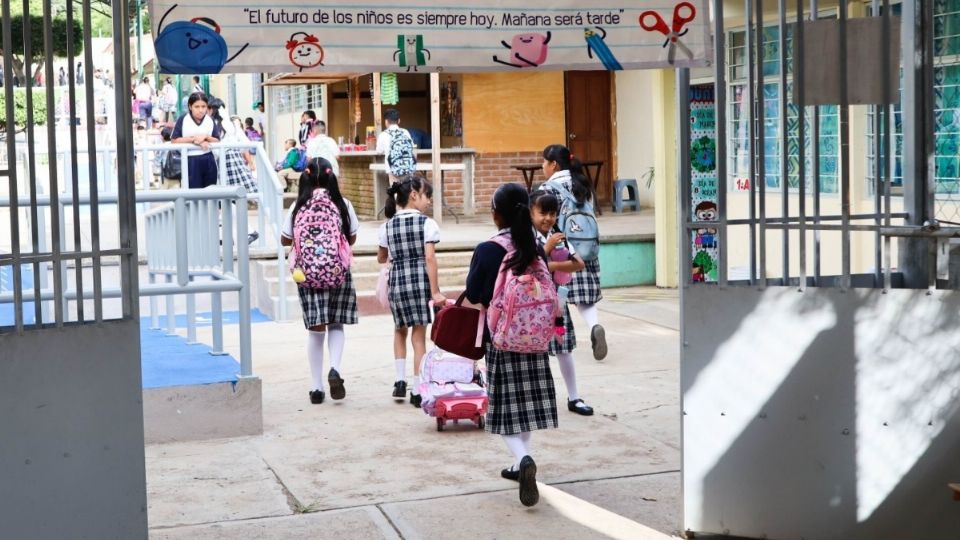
x: 510, y: 278
x: 321, y: 227
x: 563, y: 261
x: 565, y: 178
x: 408, y: 240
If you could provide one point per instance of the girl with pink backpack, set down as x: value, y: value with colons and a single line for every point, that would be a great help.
x: 509, y: 276
x: 321, y: 227
x: 408, y: 239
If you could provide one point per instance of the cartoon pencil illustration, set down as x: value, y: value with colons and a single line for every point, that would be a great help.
x: 596, y: 44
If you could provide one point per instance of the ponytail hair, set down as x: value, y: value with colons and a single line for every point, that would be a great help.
x: 579, y: 183
x: 511, y: 203
x: 319, y: 174
x: 398, y: 194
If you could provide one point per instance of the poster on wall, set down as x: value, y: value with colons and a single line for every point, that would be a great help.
x: 248, y: 36
x: 703, y: 192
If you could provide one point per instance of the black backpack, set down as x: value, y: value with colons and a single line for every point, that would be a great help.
x: 171, y: 166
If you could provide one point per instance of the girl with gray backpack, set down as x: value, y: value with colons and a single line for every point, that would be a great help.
x: 579, y: 224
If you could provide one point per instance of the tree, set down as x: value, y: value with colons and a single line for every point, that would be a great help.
x: 37, y: 46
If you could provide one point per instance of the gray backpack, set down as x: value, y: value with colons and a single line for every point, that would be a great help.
x: 400, y: 154
x: 578, y: 222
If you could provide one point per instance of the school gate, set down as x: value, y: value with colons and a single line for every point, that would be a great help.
x: 819, y: 391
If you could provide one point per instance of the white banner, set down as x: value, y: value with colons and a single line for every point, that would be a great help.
x: 244, y: 36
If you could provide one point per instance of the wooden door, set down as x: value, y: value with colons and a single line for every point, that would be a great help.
x: 588, y: 105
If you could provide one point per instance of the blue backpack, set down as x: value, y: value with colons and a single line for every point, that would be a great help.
x: 301, y: 163
x: 578, y: 223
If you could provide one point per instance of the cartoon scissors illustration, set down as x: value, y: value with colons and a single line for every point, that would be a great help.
x: 673, y: 32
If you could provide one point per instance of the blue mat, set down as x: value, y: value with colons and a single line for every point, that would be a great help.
x: 206, y: 318
x: 6, y: 285
x: 171, y: 361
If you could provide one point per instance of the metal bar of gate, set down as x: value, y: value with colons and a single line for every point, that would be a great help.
x: 74, y: 168
x: 12, y: 186
x: 784, y: 141
x: 798, y: 81
x: 878, y: 112
x: 92, y: 163
x: 930, y: 104
x: 761, y: 144
x: 720, y: 106
x: 844, y: 132
x: 749, y: 101
x: 888, y: 155
x: 683, y: 159
x: 31, y: 162
x: 56, y: 244
x: 815, y: 166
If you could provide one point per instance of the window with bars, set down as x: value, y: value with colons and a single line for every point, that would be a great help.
x: 739, y: 121
x: 946, y: 77
x: 307, y: 97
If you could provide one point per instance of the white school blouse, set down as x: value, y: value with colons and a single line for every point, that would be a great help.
x: 188, y: 127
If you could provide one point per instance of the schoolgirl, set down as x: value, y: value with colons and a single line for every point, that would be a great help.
x: 520, y: 385
x: 325, y: 311
x: 238, y: 170
x: 560, y: 167
x: 544, y: 206
x: 408, y: 238
x: 197, y: 128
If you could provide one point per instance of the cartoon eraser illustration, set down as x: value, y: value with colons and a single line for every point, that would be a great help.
x: 596, y: 44
x: 306, y: 52
x: 526, y: 50
x: 411, y: 51
x: 187, y: 47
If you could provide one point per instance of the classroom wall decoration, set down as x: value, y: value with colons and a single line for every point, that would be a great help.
x: 703, y: 192
x: 244, y: 36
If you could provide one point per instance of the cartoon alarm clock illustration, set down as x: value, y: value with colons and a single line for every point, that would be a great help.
x: 188, y: 47
x: 305, y: 52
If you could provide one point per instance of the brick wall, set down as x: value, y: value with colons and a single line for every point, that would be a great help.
x: 490, y: 171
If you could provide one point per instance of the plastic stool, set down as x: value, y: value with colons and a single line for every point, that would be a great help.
x: 632, y: 201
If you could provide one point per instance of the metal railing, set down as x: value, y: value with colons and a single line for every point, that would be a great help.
x: 194, y: 236
x: 185, y: 241
x: 269, y: 197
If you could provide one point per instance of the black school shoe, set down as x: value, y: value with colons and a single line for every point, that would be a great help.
x: 400, y: 389
x: 529, y: 494
x: 337, y: 391
x: 577, y: 406
x: 316, y: 397
x: 510, y: 473
x: 416, y: 400
x: 598, y: 340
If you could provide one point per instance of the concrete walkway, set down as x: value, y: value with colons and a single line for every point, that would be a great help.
x: 367, y: 467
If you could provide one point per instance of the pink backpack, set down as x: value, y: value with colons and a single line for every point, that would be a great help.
x: 320, y: 248
x: 524, y: 308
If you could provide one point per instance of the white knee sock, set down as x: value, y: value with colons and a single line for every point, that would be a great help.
x: 401, y: 366
x: 589, y: 313
x: 517, y: 445
x: 569, y: 374
x: 415, y: 388
x: 337, y: 339
x: 315, y: 355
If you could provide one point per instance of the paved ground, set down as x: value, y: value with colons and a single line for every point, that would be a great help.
x: 367, y: 467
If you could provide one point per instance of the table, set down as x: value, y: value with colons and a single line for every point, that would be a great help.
x: 425, y: 167
x: 590, y: 168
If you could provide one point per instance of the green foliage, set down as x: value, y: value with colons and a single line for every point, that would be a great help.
x: 37, y: 47
x: 704, y: 261
x: 20, y: 107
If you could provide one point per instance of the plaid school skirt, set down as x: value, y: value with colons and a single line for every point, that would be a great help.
x: 329, y: 306
x: 238, y: 174
x: 568, y: 342
x: 522, y: 397
x: 585, y: 285
x: 409, y: 292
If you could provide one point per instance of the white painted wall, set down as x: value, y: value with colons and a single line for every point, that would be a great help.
x: 635, y: 112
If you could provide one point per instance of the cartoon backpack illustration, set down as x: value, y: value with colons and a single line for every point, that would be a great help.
x: 320, y: 250
x: 306, y: 52
x: 186, y: 47
x: 411, y: 51
x: 596, y: 44
x: 526, y: 50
